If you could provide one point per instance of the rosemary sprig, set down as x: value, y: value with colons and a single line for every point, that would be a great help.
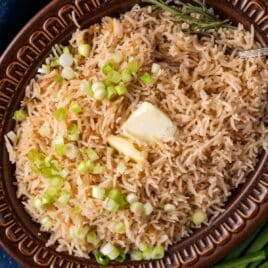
x: 206, y: 21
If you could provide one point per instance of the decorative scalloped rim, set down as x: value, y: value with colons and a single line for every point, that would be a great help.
x: 206, y: 245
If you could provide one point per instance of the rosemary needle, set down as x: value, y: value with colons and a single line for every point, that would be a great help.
x: 206, y: 21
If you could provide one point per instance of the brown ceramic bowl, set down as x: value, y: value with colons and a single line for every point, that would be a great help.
x: 19, y: 234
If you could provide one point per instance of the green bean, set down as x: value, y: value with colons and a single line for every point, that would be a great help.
x: 258, y: 244
x: 253, y: 265
x: 264, y: 265
x: 253, y: 257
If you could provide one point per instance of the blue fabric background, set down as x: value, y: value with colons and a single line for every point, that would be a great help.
x: 13, y: 15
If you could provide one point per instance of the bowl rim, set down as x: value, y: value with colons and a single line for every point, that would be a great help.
x: 253, y: 193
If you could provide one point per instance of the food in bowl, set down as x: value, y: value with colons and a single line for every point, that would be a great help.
x: 137, y: 131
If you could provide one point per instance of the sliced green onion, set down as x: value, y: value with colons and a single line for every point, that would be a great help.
x: 111, y: 251
x: 158, y: 252
x: 37, y: 159
x: 108, y: 83
x: 92, y: 238
x: 108, y: 68
x: 55, y: 53
x: 111, y: 92
x: 75, y: 108
x: 126, y: 76
x: 34, y: 155
x: 64, y: 197
x: 155, y: 68
x: 73, y: 133
x: 118, y: 228
x: 148, y: 209
x: 121, y: 168
x: 98, y: 86
x: 37, y: 204
x: 46, y: 68
x: 101, y: 259
x: 19, y: 115
x: 77, y: 209
x: 35, y: 169
x: 71, y: 151
x: 121, y: 258
x: 84, y: 166
x: 66, y: 60
x: 110, y: 205
x: 114, y: 77
x: 67, y: 73
x: 137, y: 208
x: 148, y: 253
x: 118, y: 57
x: 82, y: 232
x: 99, y: 90
x: 58, y: 79
x: 61, y: 114
x: 50, y: 172
x: 66, y: 50
x: 98, y: 192
x: 48, y: 161
x: 64, y: 173
x: 132, y: 198
x: 84, y: 50
x: 169, y: 207
x: 100, y: 94
x: 198, y: 217
x: 44, y: 131
x: 12, y: 136
x: 48, y: 168
x: 56, y: 182
x: 136, y: 255
x: 143, y: 246
x: 133, y: 66
x: 86, y: 87
x: 97, y: 169
x: 121, y: 89
x: 49, y: 196
x: 46, y: 222
x: 116, y: 195
x: 146, y: 78
x: 91, y: 154
x: 79, y: 233
x: 55, y: 63
x: 59, y: 146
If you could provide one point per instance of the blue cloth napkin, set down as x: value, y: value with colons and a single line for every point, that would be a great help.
x: 6, y: 261
x: 13, y: 16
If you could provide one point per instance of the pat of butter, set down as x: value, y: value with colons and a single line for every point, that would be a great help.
x: 124, y: 146
x: 148, y: 123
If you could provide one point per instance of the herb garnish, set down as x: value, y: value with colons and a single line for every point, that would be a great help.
x: 206, y: 21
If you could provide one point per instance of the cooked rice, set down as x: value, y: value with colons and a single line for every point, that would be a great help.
x: 216, y: 100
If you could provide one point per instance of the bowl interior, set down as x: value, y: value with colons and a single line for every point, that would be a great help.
x: 112, y: 8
